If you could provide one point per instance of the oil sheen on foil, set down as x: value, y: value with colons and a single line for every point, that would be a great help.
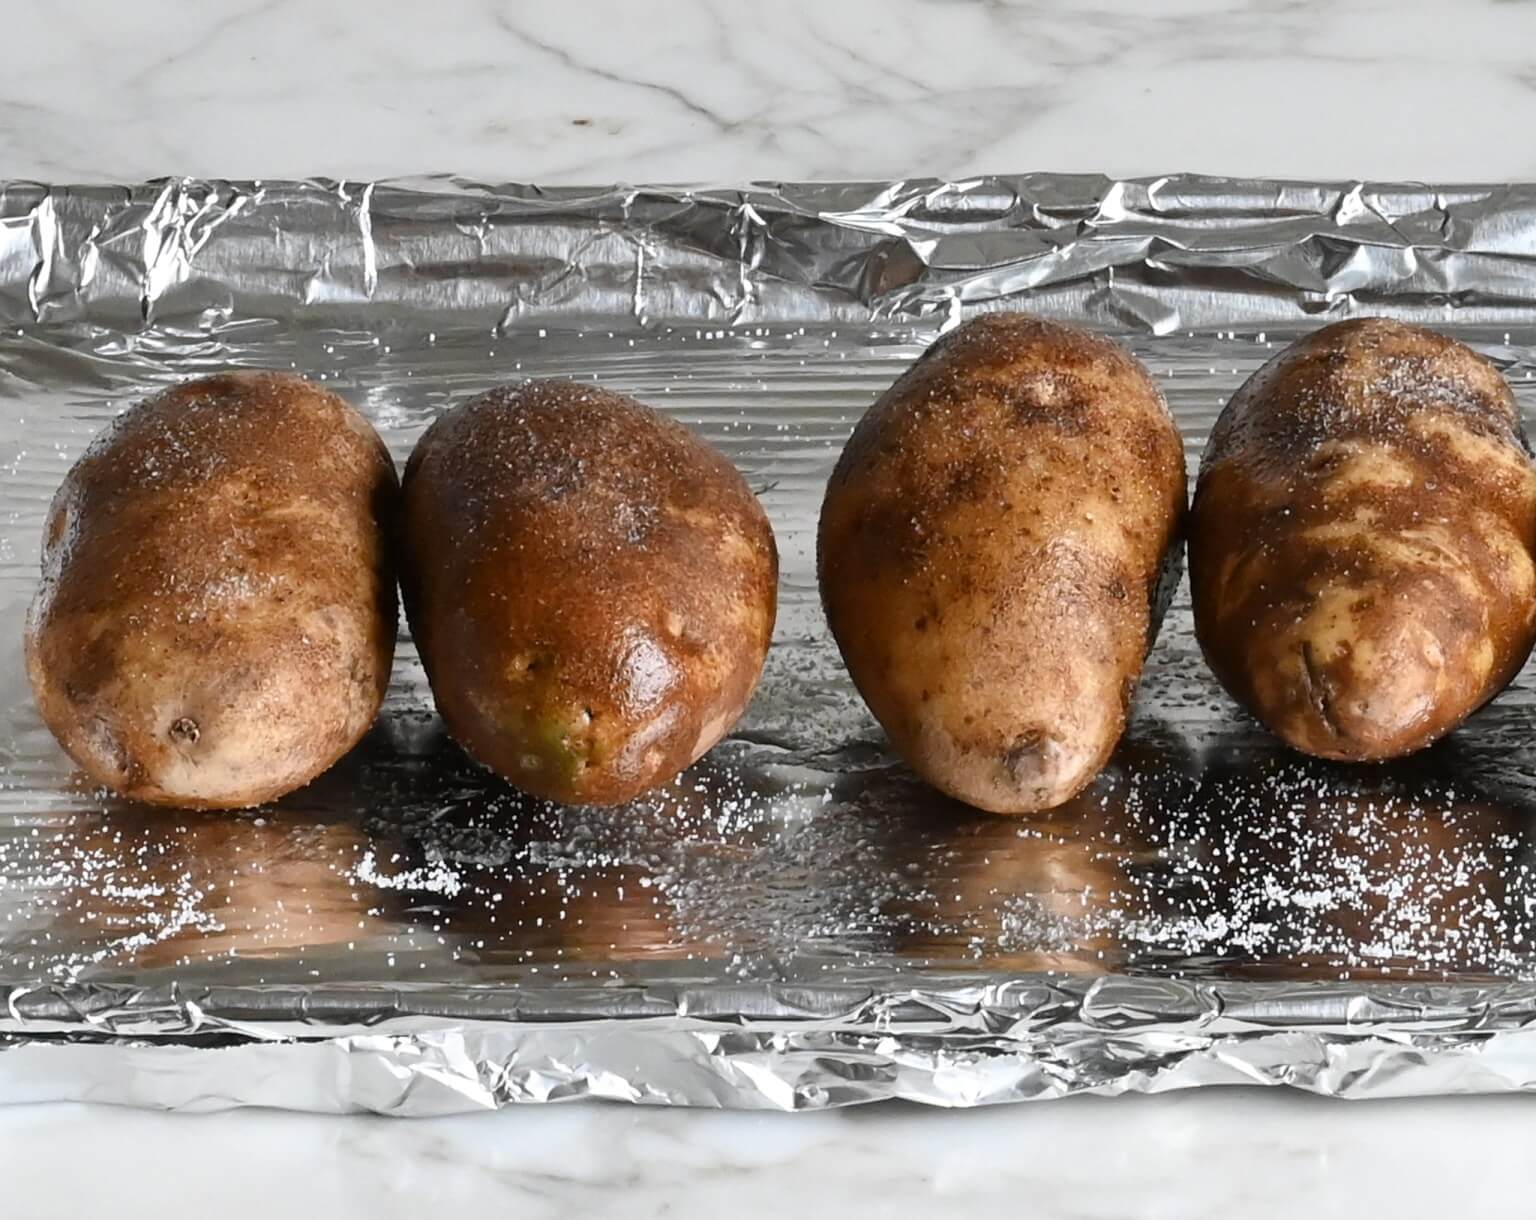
x: 795, y: 922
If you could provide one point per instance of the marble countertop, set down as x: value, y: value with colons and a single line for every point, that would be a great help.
x: 1216, y: 1153
x: 710, y: 90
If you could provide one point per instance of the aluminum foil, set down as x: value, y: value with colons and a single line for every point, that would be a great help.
x: 796, y: 922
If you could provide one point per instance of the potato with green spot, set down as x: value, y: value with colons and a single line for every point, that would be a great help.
x: 591, y: 586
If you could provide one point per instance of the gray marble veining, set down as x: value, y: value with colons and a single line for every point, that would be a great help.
x: 701, y: 90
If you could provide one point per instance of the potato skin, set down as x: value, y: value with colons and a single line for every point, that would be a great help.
x: 1360, y: 546
x: 217, y: 613
x: 990, y: 553
x: 591, y: 586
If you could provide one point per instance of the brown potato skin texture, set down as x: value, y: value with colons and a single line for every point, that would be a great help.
x: 591, y: 586
x: 990, y: 545
x: 217, y: 614
x: 1360, y: 545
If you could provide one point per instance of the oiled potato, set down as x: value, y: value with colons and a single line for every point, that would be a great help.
x: 990, y: 553
x: 217, y: 613
x: 591, y: 586
x: 1360, y: 547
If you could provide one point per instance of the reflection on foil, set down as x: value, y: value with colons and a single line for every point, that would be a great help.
x: 135, y: 888
x: 1308, y: 870
x: 796, y: 922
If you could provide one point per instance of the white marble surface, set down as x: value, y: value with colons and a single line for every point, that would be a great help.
x: 688, y: 90
x: 1218, y: 1154
x: 717, y: 90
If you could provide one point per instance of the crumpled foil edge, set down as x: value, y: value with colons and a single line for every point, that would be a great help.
x: 950, y: 1043
x: 1156, y: 255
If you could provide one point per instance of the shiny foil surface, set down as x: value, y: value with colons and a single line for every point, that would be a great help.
x: 796, y: 922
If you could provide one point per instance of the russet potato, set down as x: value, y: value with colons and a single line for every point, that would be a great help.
x: 1361, y: 541
x: 996, y: 547
x: 217, y: 612
x: 591, y: 586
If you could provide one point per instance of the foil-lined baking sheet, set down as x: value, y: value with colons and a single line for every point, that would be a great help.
x: 796, y: 922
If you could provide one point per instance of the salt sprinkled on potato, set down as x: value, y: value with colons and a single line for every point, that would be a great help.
x: 591, y: 586
x: 217, y: 613
x: 996, y: 548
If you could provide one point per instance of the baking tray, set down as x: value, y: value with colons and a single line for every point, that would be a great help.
x: 796, y: 922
